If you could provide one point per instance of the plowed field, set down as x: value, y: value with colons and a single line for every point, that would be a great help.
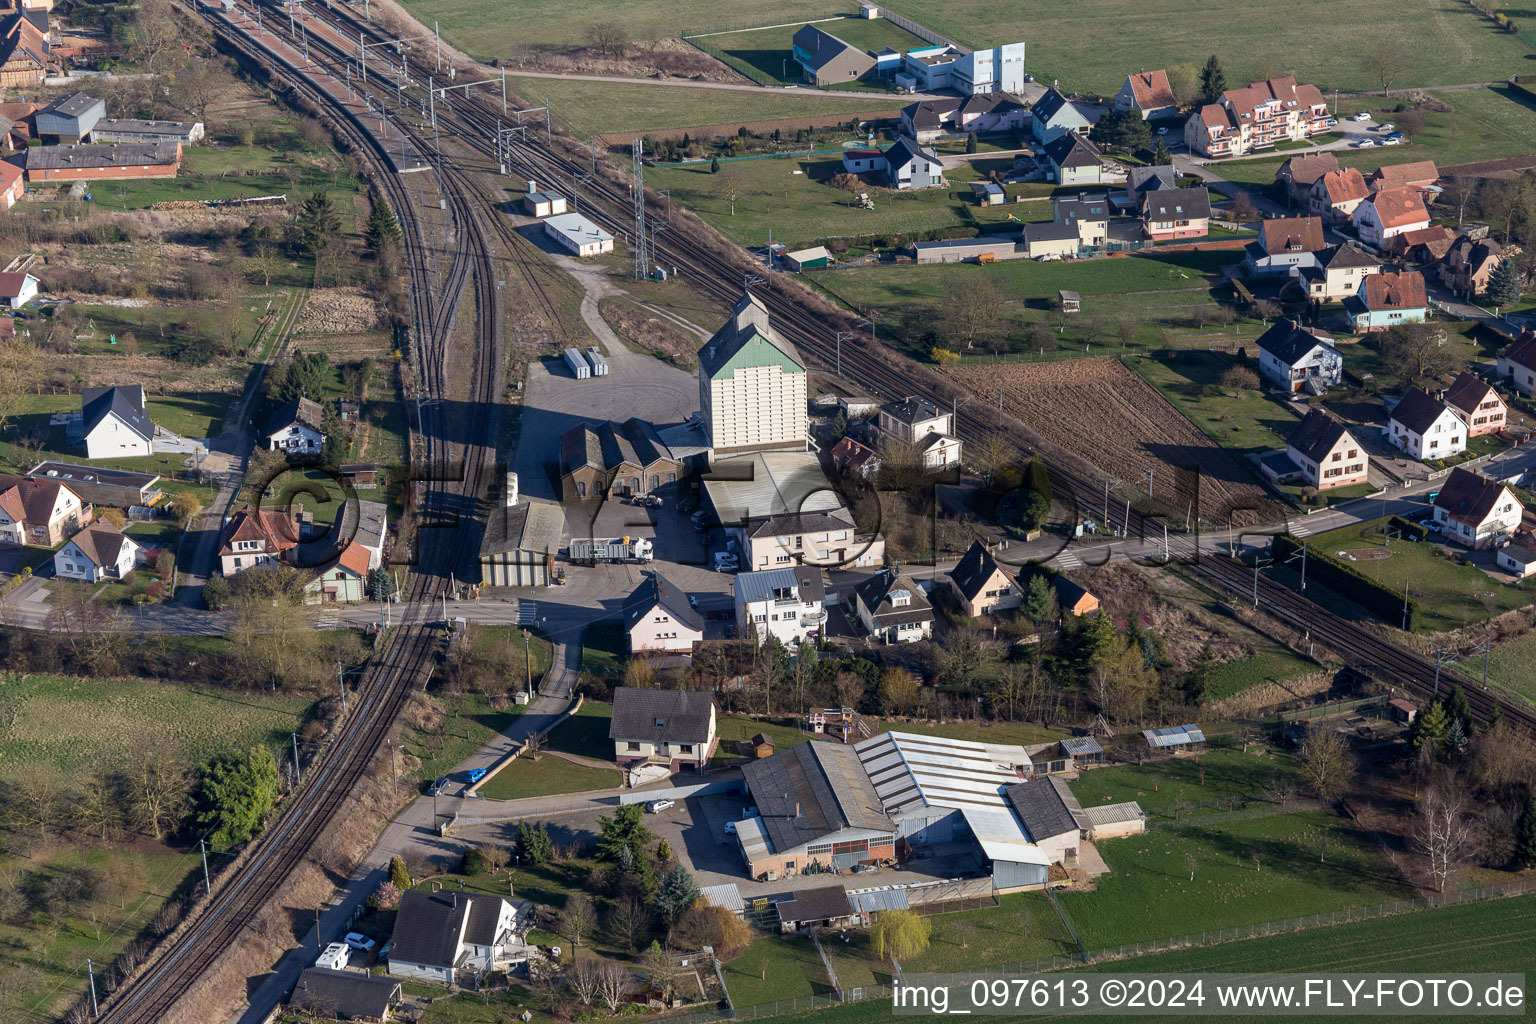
x: 1103, y: 412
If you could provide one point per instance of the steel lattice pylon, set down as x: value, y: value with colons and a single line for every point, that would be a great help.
x: 639, y: 241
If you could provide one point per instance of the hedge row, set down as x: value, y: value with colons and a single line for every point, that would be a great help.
x: 1351, y: 582
x: 1409, y: 528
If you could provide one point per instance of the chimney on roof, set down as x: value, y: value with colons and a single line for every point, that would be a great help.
x: 797, y: 808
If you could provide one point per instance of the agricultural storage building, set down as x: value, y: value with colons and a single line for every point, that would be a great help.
x: 70, y: 118
x: 1048, y: 811
x: 1109, y: 821
x: 1082, y: 749
x: 824, y: 907
x: 520, y: 543
x: 579, y: 235
x: 113, y: 129
x: 92, y: 162
x: 544, y: 204
x: 117, y: 488
x: 753, y: 389
x: 807, y: 259
x: 962, y: 250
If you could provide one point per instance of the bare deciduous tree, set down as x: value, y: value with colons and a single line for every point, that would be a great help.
x: 583, y: 977
x: 577, y: 918
x: 1443, y: 834
x: 156, y: 787
x: 614, y: 982
x: 1386, y: 64
x: 972, y: 312
x: 608, y: 37
x: 1327, y: 764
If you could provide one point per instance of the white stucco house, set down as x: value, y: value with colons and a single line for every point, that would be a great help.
x: 785, y: 603
x: 659, y: 619
x: 115, y: 423
x: 1476, y: 511
x: 448, y: 936
x: 893, y: 609
x: 296, y: 428
x: 99, y: 552
x: 1425, y: 427
x: 1298, y: 358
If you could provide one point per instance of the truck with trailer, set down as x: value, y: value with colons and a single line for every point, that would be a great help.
x: 628, y: 550
x: 578, y: 364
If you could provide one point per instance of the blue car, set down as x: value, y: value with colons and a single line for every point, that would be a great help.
x: 1396, y: 135
x: 475, y: 775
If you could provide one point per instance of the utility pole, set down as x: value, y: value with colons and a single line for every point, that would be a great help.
x: 642, y: 252
x: 528, y: 663
x: 207, y: 884
x: 1405, y: 620
x: 341, y: 684
x: 840, y: 336
x: 90, y: 969
x: 297, y: 776
x: 437, y: 41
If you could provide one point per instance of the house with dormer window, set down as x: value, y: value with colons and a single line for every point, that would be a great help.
x: 893, y: 609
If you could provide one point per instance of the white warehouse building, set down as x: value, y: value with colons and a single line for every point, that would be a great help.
x: 578, y: 235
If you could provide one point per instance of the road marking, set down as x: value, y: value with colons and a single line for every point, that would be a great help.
x: 1067, y: 560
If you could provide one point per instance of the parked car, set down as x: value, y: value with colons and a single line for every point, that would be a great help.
x: 1332, y: 122
x: 726, y: 562
x: 475, y: 775
x: 1366, y: 144
x: 438, y: 786
x: 1384, y: 127
x: 1396, y: 135
x: 1162, y: 130
x: 1392, y: 142
x: 650, y: 501
x: 730, y: 828
x: 1362, y: 116
x: 657, y: 806
x: 359, y: 941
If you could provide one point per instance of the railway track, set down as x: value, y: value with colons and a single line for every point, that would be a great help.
x: 814, y: 334
x: 456, y: 480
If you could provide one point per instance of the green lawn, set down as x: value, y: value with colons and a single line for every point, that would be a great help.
x: 469, y: 722
x: 1168, y: 788
x: 785, y: 733
x: 1091, y: 49
x: 1513, y: 665
x: 1245, y: 872
x: 603, y: 107
x: 549, y: 775
x: 768, y: 51
x: 585, y: 732
x: 1448, y: 595
x: 160, y: 533
x: 1023, y: 926
x: 1268, y: 665
x: 1483, y: 124
x: 604, y: 648
x: 776, y: 967
x: 1243, y: 419
x: 71, y: 725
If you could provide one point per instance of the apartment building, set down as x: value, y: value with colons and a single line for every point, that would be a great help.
x: 1257, y: 117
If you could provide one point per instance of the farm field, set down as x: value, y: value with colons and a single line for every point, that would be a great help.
x: 1133, y: 432
x: 589, y: 108
x: 1023, y: 926
x: 1165, y: 789
x: 1493, y: 936
x: 1164, y: 299
x: 768, y: 51
x: 1484, y: 124
x: 1245, y: 872
x: 1090, y: 50
x: 1449, y: 596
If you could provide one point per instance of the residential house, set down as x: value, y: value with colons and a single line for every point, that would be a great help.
x: 1387, y: 300
x: 26, y: 55
x: 789, y: 604
x: 1299, y: 173
x: 931, y: 120
x: 1049, y: 813
x: 1518, y: 362
x: 343, y: 579
x: 1518, y: 557
x: 753, y: 388
x: 1073, y: 598
x: 368, y: 522
x: 815, y: 805
x: 69, y: 118
x: 296, y: 427
x: 918, y: 422
x: 660, y: 619
x: 1285, y: 246
x: 39, y: 511
x: 12, y: 185
x: 1476, y: 511
x: 614, y: 459
x: 345, y: 995
x: 1469, y: 264
x: 446, y: 935
x: 910, y: 165
x: 521, y: 541
x: 893, y: 609
x: 99, y: 552
x: 1326, y: 453
x: 676, y: 728
x: 782, y: 510
x: 256, y: 537
x: 996, y: 69
x: 1336, y: 195
x: 1176, y: 213
x: 1078, y: 227
x: 1338, y: 273
x: 1072, y: 159
x: 1053, y: 115
x: 984, y: 587
x: 115, y: 423
x: 1149, y: 94
x: 1425, y: 427
x: 1419, y: 174
x: 1387, y: 213
x: 1257, y: 117
x: 850, y: 456
x: 1141, y: 180
x: 1424, y: 246
x: 16, y: 290
x: 1476, y: 404
x: 826, y: 59
x: 1299, y: 358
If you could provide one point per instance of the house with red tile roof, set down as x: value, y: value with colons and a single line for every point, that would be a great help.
x: 1149, y: 94
x: 1257, y: 117
x: 1477, y: 404
x: 1388, y: 213
x: 1335, y: 195
x: 1419, y: 174
x: 1298, y: 174
x: 39, y: 511
x: 1476, y: 511
x: 257, y: 537
x: 344, y: 578
x: 1388, y: 300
